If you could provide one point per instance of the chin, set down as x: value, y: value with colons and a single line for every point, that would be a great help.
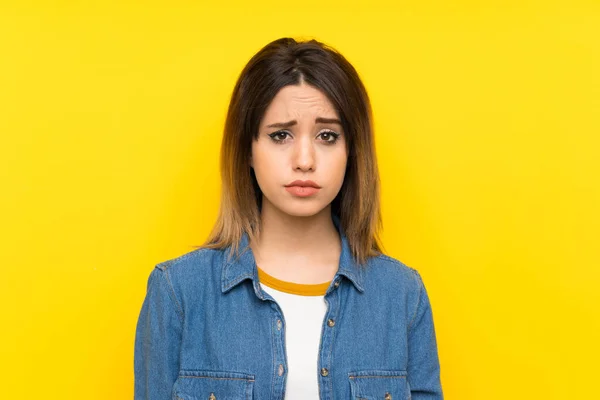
x: 301, y: 210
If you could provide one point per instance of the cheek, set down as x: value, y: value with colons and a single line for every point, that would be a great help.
x: 337, y: 165
x: 266, y: 165
x: 264, y: 159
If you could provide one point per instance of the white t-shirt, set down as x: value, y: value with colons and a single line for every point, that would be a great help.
x: 303, y: 307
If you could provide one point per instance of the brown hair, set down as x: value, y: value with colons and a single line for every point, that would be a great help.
x: 287, y: 62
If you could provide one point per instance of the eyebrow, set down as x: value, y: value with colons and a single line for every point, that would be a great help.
x: 294, y: 122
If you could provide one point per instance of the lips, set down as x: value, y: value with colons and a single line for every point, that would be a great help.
x: 300, y: 183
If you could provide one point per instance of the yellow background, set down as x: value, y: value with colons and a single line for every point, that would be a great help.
x: 487, y: 128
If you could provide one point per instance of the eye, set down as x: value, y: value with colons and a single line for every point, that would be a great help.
x: 278, y: 137
x: 330, y: 136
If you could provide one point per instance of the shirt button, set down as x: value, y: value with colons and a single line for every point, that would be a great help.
x: 324, y: 372
x: 330, y: 322
x: 278, y: 324
x: 280, y: 372
x: 388, y: 396
x: 212, y: 397
x: 336, y: 284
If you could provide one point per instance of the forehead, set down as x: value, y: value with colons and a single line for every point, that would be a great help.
x: 295, y: 100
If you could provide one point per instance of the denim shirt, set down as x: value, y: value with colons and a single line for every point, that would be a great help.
x: 206, y: 330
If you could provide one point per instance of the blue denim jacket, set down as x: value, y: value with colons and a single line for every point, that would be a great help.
x: 206, y: 330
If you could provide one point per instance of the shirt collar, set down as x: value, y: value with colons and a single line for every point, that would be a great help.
x: 244, y: 266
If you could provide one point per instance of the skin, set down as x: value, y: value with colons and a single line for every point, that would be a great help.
x: 298, y: 241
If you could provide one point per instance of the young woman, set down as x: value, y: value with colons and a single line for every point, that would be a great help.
x: 291, y: 296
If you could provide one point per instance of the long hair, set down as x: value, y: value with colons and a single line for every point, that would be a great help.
x: 285, y: 62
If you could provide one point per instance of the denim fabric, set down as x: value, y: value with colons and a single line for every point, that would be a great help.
x: 206, y: 330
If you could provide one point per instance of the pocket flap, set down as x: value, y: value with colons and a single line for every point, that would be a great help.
x: 379, y: 385
x: 213, y: 385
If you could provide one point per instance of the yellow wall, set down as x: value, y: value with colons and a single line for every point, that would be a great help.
x: 487, y: 119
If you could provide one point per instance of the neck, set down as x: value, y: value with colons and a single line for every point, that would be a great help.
x: 299, y: 247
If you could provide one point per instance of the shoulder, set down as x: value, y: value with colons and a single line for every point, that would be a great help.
x: 191, y: 262
x: 192, y: 270
x: 387, y: 271
x: 385, y: 264
x: 396, y: 282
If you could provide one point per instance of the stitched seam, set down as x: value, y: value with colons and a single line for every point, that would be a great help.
x: 394, y: 261
x: 273, y: 351
x: 387, y: 258
x: 228, y: 285
x: 354, y: 279
x: 219, y: 378
x: 333, y: 334
x: 418, y: 300
x: 179, y: 309
x: 377, y: 376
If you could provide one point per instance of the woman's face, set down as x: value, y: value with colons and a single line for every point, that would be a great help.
x: 300, y: 138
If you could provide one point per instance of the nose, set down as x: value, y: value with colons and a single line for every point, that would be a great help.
x: 304, y: 154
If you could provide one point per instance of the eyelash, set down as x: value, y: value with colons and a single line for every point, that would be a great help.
x: 329, y: 142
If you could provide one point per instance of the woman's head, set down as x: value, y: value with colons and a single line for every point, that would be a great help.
x: 300, y: 138
x: 299, y: 111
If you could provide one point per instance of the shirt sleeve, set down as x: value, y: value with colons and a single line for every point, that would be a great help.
x: 157, y: 340
x: 423, y: 363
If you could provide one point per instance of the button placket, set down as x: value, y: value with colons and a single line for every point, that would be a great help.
x: 332, y: 298
x: 279, y: 351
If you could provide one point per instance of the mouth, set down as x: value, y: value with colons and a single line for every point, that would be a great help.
x: 304, y: 184
x: 302, y: 191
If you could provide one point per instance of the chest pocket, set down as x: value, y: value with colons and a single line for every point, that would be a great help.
x: 213, y: 385
x: 379, y: 385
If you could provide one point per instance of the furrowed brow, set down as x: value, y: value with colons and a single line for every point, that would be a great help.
x: 328, y: 121
x: 283, y: 124
x: 294, y: 122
